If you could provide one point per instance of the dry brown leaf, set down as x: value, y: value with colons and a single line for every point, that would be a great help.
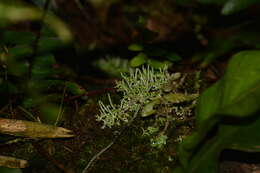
x: 32, y: 129
x: 12, y: 162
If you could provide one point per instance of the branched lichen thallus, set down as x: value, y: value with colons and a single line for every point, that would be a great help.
x: 137, y: 87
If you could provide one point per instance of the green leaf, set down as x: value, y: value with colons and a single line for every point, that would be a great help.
x: 206, y: 160
x: 242, y: 136
x: 236, y: 95
x: 232, y: 6
x: 135, y: 47
x: 138, y: 60
x: 239, y: 88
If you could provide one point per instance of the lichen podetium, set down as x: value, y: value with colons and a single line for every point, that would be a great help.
x: 167, y: 96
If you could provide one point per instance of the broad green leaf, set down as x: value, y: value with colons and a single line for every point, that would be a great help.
x: 240, y: 136
x: 206, y: 159
x: 138, y: 60
x: 208, y: 103
x: 190, y: 143
x: 240, y: 87
x: 237, y: 94
x: 232, y: 6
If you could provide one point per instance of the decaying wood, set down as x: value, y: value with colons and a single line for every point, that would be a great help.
x: 32, y: 129
x: 12, y: 162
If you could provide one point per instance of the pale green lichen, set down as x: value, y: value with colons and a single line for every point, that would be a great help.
x: 143, y: 85
x: 137, y: 87
x: 161, y: 94
x: 112, y: 114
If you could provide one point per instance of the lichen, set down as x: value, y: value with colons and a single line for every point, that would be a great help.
x: 162, y: 95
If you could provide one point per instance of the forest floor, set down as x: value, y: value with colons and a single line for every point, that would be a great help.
x: 129, y: 154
